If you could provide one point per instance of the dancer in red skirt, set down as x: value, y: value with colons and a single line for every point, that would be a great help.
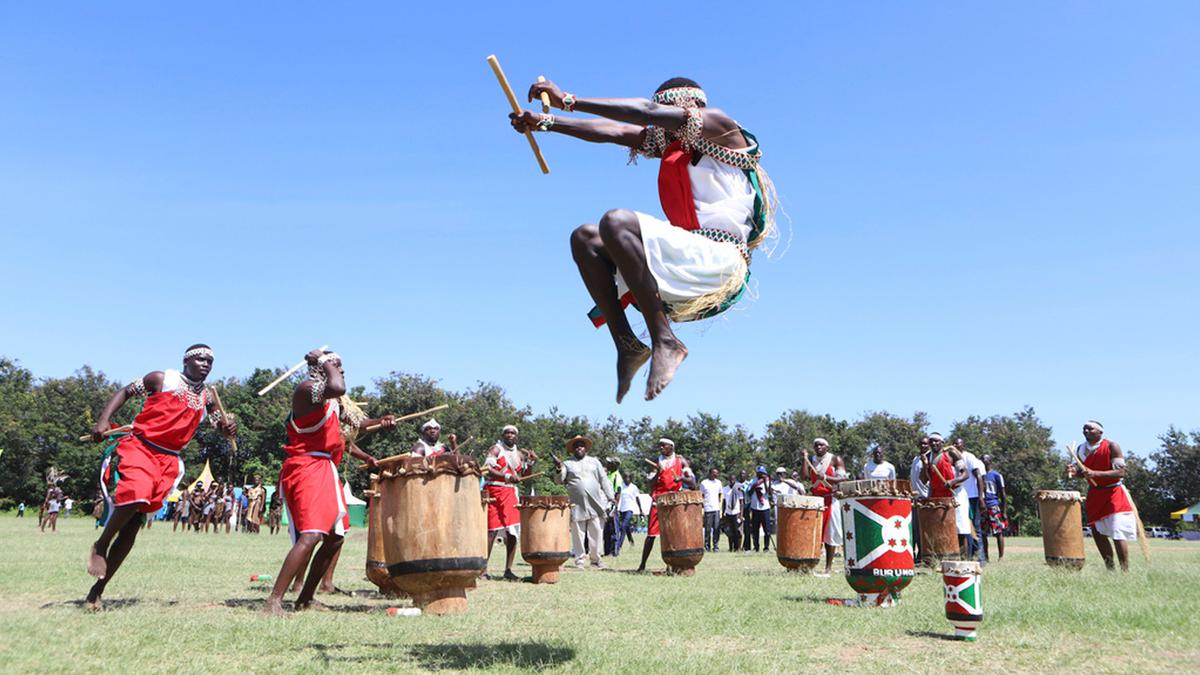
x: 672, y: 475
x: 505, y: 465
x: 312, y: 493
x: 143, y: 466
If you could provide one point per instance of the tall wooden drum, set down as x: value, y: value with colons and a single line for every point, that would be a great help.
x: 545, y: 535
x: 798, y: 533
x: 877, y: 522
x: 376, y: 558
x: 432, y: 522
x: 681, y: 526
x: 1061, y: 513
x: 939, y: 532
x: 964, y: 596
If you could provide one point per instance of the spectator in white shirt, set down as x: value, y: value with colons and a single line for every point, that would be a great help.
x: 731, y: 520
x: 710, y: 489
x: 877, y: 468
x: 920, y: 490
x: 972, y: 489
x: 627, y: 505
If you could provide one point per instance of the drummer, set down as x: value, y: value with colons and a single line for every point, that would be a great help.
x: 671, y: 474
x: 824, y: 476
x: 920, y: 489
x: 945, y: 472
x: 1110, y: 510
x: 428, y: 444
x: 505, y: 465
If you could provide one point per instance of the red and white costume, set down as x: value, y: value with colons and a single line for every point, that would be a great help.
x: 1109, y: 508
x: 502, y: 510
x: 312, y: 492
x: 941, y: 474
x: 425, y: 449
x: 669, y: 479
x: 831, y: 518
x: 146, y: 463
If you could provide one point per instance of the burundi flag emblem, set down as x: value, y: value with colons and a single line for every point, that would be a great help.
x: 962, y: 596
x: 878, y: 535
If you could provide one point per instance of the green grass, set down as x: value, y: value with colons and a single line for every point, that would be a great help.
x: 184, y: 602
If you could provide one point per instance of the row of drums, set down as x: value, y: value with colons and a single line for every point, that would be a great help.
x: 427, y: 532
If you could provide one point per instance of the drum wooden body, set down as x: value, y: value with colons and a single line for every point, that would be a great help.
x: 964, y: 598
x: 798, y: 535
x: 545, y: 535
x: 434, y: 529
x: 376, y: 558
x: 877, y: 522
x: 1061, y: 512
x: 681, y: 526
x: 939, y: 532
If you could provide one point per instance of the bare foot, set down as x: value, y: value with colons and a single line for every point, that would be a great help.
x: 330, y: 588
x: 631, y: 356
x: 667, y: 357
x: 96, y: 605
x: 97, y: 566
x: 274, y: 607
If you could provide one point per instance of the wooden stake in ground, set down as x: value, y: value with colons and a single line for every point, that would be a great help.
x: 288, y: 374
x: 516, y: 108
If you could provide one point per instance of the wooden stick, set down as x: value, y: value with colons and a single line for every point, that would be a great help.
x: 406, y: 455
x: 409, y: 416
x: 652, y: 463
x: 224, y: 416
x: 516, y: 107
x: 111, y: 432
x: 288, y: 374
x: 545, y: 97
x: 522, y: 479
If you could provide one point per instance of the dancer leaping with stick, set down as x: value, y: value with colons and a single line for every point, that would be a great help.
x: 717, y: 199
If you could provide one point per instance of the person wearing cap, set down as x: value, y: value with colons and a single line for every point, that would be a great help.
x: 945, y: 472
x: 617, y: 482
x: 505, y: 465
x: 176, y: 403
x: 825, y: 473
x: 671, y: 473
x: 591, y: 497
x: 878, y: 469
x: 1111, y: 512
x: 710, y: 488
x: 428, y: 444
x: 759, y: 500
x: 995, y: 500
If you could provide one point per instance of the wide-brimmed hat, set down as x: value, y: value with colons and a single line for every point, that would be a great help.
x: 587, y: 442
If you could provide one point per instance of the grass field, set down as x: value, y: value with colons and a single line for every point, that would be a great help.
x: 184, y: 603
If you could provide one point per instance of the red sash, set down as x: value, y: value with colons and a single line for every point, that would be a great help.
x: 675, y: 187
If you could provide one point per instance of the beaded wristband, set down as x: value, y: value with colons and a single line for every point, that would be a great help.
x: 545, y: 122
x: 568, y: 102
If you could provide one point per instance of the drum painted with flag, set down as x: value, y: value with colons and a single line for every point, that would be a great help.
x: 877, y: 523
x: 964, y: 600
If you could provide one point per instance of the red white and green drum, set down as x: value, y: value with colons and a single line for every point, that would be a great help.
x: 877, y: 522
x: 964, y: 599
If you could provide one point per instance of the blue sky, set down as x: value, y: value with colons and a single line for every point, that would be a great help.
x: 989, y: 206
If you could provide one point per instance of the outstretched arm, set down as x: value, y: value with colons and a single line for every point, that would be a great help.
x: 593, y: 131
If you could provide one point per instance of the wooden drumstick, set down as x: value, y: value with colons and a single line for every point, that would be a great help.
x: 111, y: 432
x: 224, y: 416
x: 402, y: 418
x: 652, y: 463
x: 1071, y: 448
x: 288, y: 374
x: 522, y: 479
x: 516, y: 107
x: 545, y: 97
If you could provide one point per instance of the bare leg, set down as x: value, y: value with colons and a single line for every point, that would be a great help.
x: 293, y: 564
x: 1000, y: 545
x: 327, y: 579
x: 1105, y: 548
x: 597, y: 269
x: 117, y: 520
x: 510, y: 546
x: 646, y: 549
x: 1122, y: 547
x: 622, y: 238
x: 115, y: 554
x: 830, y: 551
x: 325, y: 555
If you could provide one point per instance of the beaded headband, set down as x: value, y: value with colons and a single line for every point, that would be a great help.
x: 1096, y: 424
x: 509, y: 427
x: 198, y: 351
x: 680, y: 96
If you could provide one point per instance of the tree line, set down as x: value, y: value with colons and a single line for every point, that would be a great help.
x: 41, y: 420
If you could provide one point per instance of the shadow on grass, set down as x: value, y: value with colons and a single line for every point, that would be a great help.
x: 120, y: 603
x: 256, y: 604
x: 813, y: 600
x: 931, y: 635
x: 471, y: 656
x: 334, y: 654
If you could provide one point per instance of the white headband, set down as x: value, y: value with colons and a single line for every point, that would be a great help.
x: 431, y: 424
x: 935, y: 435
x: 666, y: 441
x: 1096, y: 424
x: 820, y: 440
x: 198, y: 351
x: 509, y: 427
